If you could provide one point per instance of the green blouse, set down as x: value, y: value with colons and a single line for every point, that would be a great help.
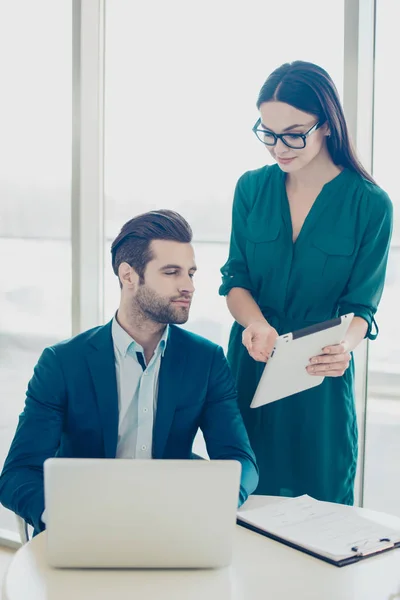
x: 306, y: 443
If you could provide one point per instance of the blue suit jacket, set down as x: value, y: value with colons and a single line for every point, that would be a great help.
x: 71, y: 410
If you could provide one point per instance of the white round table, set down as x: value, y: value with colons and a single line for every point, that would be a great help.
x: 261, y: 569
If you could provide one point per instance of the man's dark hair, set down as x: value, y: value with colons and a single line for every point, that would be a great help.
x: 132, y: 245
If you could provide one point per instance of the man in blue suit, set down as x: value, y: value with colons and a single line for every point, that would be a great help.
x: 138, y: 387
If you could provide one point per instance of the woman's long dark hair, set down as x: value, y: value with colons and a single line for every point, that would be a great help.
x: 310, y: 89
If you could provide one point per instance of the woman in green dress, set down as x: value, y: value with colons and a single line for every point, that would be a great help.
x: 310, y: 241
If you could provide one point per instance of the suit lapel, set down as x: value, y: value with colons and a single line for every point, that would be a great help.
x: 170, y: 387
x: 101, y: 361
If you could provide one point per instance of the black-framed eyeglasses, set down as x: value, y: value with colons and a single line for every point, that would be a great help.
x: 291, y: 140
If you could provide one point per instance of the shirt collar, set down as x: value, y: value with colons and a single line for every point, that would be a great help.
x: 124, y: 342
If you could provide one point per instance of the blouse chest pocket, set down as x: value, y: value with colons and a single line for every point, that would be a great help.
x: 333, y: 258
x: 258, y: 233
x: 262, y: 255
x: 262, y: 229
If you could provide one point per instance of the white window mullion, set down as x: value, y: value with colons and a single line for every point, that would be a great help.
x: 87, y: 203
x: 358, y: 101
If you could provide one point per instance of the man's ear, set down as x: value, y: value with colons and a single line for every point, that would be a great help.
x: 128, y: 276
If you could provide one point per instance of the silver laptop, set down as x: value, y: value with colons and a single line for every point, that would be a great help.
x: 140, y: 513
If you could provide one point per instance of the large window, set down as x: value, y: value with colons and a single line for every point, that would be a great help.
x: 181, y: 84
x: 35, y: 147
x: 382, y: 465
x: 182, y: 81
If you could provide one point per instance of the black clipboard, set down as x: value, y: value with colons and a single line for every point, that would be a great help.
x: 358, y: 556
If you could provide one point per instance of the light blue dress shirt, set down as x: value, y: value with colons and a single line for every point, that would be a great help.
x: 137, y: 393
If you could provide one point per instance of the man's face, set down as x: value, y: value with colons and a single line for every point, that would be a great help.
x: 166, y: 294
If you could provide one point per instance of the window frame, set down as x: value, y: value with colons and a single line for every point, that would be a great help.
x: 87, y: 195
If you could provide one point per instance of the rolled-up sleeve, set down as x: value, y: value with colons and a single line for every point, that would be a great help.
x: 235, y: 271
x: 365, y: 286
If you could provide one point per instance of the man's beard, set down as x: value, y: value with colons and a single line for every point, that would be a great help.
x: 159, y: 309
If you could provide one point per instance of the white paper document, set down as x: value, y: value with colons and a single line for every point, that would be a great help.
x: 332, y: 531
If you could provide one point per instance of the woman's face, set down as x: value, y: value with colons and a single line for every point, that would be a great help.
x: 282, y: 118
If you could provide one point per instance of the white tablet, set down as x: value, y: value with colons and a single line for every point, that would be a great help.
x: 285, y: 372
